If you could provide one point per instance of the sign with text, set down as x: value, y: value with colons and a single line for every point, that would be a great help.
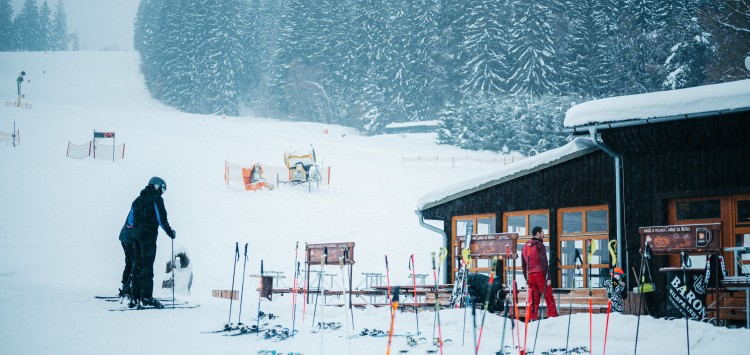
x: 104, y: 134
x: 314, y: 253
x: 686, y: 293
x: 693, y: 238
x: 490, y: 244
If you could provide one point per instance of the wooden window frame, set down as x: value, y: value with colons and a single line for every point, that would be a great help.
x: 522, y: 239
x: 584, y: 236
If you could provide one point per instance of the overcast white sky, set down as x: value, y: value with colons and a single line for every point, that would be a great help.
x: 100, y: 24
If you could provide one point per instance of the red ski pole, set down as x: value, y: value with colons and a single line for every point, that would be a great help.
x: 529, y: 298
x: 606, y: 326
x: 591, y: 324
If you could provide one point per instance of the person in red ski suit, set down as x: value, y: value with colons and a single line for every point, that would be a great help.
x: 535, y: 270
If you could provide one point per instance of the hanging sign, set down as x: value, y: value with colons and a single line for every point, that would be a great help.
x: 692, y: 238
x: 489, y: 244
x: 315, y: 253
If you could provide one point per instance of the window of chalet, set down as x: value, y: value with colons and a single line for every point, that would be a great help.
x: 582, y: 246
x: 474, y: 224
x: 522, y: 222
x: 742, y: 234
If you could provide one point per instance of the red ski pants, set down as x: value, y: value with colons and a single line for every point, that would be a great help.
x: 535, y: 284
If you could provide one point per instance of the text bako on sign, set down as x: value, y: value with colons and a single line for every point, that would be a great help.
x: 687, y: 293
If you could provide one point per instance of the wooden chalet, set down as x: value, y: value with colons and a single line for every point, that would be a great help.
x: 678, y: 157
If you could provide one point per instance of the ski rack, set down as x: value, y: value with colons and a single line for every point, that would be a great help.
x: 691, y: 239
x: 313, y: 256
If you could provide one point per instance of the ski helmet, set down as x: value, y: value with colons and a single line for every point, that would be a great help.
x: 158, y: 183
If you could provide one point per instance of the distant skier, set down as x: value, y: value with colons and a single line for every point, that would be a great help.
x: 616, y: 291
x: 127, y: 247
x: 148, y: 214
x: 535, y: 270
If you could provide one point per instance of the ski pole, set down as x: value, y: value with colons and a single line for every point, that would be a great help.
x: 529, y: 300
x: 242, y: 292
x: 539, y: 322
x: 570, y: 315
x: 437, y: 304
x: 465, y: 284
x: 414, y: 284
x: 231, y: 296
x: 513, y: 297
x: 505, y: 320
x: 640, y: 293
x: 343, y: 293
x: 394, y: 308
x: 591, y: 301
x: 474, y: 323
x: 685, y: 263
x: 305, y: 285
x: 606, y: 326
x: 349, y: 274
x: 443, y: 255
x: 260, y: 295
x: 388, y: 281
x: 294, y: 287
x: 487, y: 301
x: 320, y: 282
x: 173, y: 266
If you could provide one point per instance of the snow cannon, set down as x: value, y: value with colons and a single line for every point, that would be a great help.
x: 299, y: 162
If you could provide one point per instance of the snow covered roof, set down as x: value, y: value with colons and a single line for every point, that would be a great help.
x: 433, y: 123
x: 574, y: 149
x: 664, y: 105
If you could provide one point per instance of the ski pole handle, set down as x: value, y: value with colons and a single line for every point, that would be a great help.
x: 324, y: 260
x: 245, y: 250
x: 433, y: 260
x: 237, y: 251
x: 261, y: 268
x: 386, y: 262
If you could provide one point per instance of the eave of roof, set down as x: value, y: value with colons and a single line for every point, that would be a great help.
x: 574, y: 149
x: 662, y: 106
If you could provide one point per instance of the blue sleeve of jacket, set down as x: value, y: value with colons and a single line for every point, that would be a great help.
x: 161, y: 216
x: 130, y: 218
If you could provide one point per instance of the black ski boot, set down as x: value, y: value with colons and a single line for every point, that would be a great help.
x: 133, y: 302
x: 151, y: 302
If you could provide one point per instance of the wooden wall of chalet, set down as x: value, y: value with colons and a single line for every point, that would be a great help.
x: 584, y: 181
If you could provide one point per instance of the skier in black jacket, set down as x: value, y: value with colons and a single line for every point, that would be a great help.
x: 148, y: 214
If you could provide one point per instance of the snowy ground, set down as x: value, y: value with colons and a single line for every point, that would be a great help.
x: 60, y: 217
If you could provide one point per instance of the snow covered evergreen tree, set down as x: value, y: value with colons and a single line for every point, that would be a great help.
x: 533, y: 52
x: 193, y: 53
x: 28, y: 28
x: 45, y: 26
x: 485, y: 47
x: 6, y: 26
x: 588, y: 70
x: 59, y: 31
x: 690, y: 60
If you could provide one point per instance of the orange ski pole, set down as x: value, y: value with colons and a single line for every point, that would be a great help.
x: 394, y: 308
